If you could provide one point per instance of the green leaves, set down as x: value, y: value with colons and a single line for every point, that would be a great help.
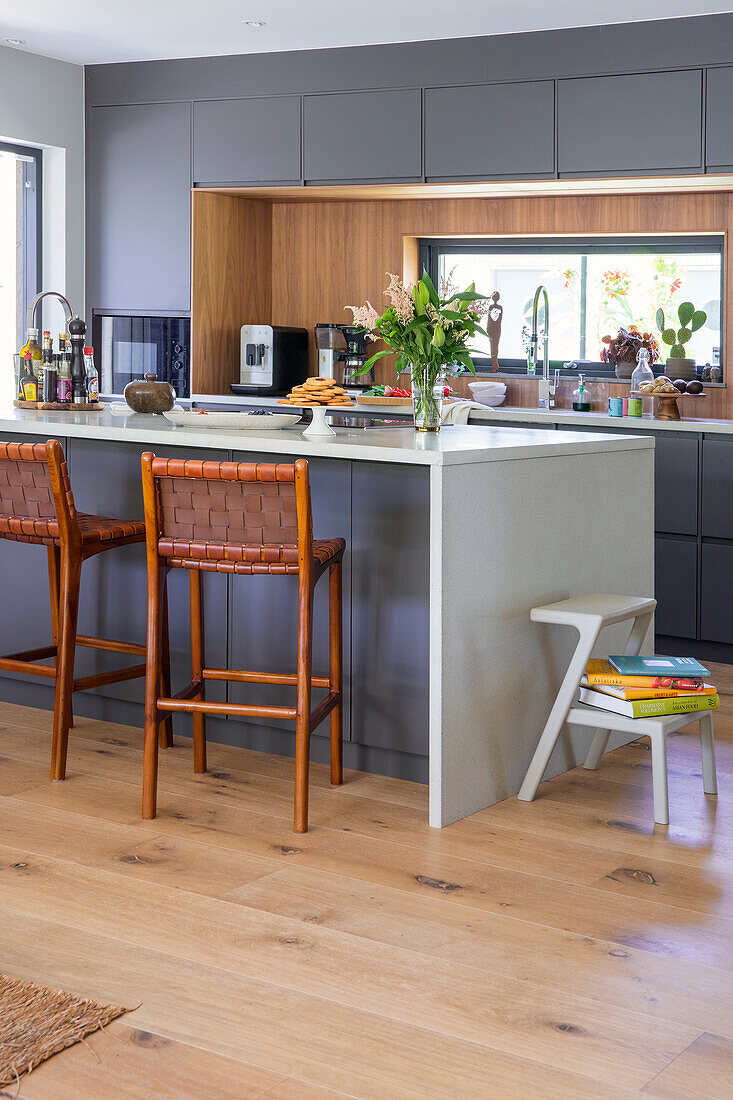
x: 660, y: 323
x: 698, y: 319
x: 669, y: 336
x: 684, y: 335
x: 685, y: 313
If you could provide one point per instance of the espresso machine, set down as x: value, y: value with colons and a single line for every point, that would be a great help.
x: 342, y: 352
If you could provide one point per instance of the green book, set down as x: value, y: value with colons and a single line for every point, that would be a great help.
x: 648, y: 708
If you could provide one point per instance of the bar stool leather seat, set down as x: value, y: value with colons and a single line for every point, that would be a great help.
x: 93, y: 529
x: 240, y: 558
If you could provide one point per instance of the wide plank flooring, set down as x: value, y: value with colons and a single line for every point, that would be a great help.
x: 567, y: 948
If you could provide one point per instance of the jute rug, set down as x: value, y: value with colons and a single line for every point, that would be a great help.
x: 36, y: 1022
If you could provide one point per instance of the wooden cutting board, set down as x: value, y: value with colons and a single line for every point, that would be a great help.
x: 364, y: 399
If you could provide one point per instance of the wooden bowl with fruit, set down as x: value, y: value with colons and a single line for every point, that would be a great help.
x: 666, y: 394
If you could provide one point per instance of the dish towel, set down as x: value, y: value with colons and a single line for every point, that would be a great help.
x: 458, y: 411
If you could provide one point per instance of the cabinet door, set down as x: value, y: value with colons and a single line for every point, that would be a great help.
x: 139, y: 231
x: 490, y: 130
x: 675, y: 569
x: 716, y: 603
x: 630, y: 124
x: 363, y: 135
x: 717, y: 488
x: 719, y: 119
x: 390, y: 614
x: 676, y: 481
x: 247, y: 140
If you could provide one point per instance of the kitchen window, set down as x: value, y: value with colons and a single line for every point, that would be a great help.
x: 595, y: 285
x: 20, y: 248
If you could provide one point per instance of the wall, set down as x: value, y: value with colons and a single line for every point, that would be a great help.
x: 42, y: 104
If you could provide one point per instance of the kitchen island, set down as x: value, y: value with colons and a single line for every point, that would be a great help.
x: 451, y: 539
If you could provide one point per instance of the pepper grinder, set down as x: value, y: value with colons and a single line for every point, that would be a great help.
x: 77, y: 332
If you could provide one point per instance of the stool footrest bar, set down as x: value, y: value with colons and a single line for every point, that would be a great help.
x: 244, y: 710
x: 323, y: 709
x: 190, y: 691
x: 30, y: 668
x: 32, y: 654
x: 246, y: 677
x: 109, y: 643
x: 116, y: 676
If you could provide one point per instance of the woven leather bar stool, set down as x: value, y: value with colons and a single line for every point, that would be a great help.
x: 239, y: 518
x: 37, y: 506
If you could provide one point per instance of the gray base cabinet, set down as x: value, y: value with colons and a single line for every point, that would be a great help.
x: 716, y: 605
x: 490, y: 130
x: 352, y: 136
x: 644, y: 122
x: 139, y: 207
x: 717, y: 488
x: 676, y: 479
x: 247, y: 140
x: 675, y: 584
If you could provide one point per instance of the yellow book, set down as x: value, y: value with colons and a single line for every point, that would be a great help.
x: 600, y: 673
x: 649, y: 692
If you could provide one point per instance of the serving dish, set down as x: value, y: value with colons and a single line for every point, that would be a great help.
x: 667, y: 409
x: 237, y: 421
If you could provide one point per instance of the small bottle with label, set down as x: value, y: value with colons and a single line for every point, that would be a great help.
x: 63, y: 383
x: 28, y: 384
x: 50, y: 378
x: 92, y: 375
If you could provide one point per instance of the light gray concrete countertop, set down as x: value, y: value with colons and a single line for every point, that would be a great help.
x: 403, y: 445
x: 510, y: 414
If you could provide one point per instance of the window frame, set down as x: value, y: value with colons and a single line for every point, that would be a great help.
x: 429, y: 250
x: 32, y: 220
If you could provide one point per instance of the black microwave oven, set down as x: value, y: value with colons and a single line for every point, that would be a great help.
x: 129, y: 347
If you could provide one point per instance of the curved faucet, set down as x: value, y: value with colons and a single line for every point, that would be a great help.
x: 546, y: 388
x: 30, y: 317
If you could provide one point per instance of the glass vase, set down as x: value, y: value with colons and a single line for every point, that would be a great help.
x: 428, y: 391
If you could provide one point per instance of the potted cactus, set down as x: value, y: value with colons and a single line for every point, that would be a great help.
x: 691, y: 320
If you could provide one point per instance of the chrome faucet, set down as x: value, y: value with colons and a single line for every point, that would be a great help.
x: 547, y: 389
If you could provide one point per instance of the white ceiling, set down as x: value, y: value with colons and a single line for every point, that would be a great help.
x: 90, y: 31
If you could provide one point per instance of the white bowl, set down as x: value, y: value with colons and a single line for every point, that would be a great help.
x: 487, y: 384
x: 492, y: 399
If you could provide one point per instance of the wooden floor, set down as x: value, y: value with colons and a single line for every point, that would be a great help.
x: 560, y: 949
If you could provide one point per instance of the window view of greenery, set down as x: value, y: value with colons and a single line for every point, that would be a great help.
x: 593, y: 291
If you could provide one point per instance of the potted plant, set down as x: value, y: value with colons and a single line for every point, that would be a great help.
x: 621, y: 350
x: 691, y: 320
x: 429, y: 332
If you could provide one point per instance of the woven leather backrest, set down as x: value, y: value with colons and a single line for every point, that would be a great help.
x: 26, y: 491
x: 209, y: 506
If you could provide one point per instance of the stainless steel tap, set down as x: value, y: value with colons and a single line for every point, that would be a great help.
x: 547, y: 389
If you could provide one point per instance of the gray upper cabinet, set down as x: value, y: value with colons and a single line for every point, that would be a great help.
x: 719, y: 119
x: 490, y: 130
x: 363, y: 136
x: 646, y: 122
x: 247, y: 140
x: 139, y: 226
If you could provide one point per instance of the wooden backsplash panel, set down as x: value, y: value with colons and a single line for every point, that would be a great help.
x: 231, y: 273
x: 326, y: 255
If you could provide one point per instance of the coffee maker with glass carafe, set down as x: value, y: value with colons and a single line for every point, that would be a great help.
x: 342, y: 353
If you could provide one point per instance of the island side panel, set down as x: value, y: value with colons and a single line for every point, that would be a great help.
x: 508, y: 536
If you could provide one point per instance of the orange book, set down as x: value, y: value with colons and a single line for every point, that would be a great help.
x: 600, y: 673
x: 650, y: 692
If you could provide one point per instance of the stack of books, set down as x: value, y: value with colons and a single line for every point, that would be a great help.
x: 647, y: 687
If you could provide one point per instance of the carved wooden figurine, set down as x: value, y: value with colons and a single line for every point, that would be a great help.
x: 493, y: 327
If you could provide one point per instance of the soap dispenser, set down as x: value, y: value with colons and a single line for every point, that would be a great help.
x: 581, y: 402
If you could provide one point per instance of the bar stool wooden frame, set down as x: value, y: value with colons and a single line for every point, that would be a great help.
x: 300, y: 556
x: 43, y: 512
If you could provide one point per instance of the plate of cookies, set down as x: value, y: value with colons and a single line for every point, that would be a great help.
x: 317, y: 391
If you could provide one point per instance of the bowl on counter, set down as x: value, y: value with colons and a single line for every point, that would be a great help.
x: 488, y: 392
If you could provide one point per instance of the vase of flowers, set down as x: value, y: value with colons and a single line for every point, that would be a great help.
x: 429, y: 332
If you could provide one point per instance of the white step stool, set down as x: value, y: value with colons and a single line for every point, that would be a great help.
x: 589, y: 614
